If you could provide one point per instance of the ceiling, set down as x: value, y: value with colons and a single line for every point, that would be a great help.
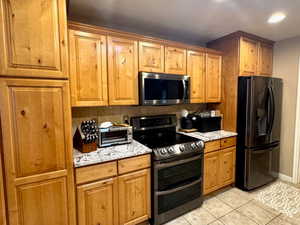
x: 190, y: 21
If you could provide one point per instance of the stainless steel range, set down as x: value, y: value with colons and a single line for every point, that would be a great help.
x: 177, y: 166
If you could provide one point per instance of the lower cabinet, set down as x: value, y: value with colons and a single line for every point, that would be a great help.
x: 119, y: 200
x: 134, y: 197
x: 97, y: 203
x: 219, y: 169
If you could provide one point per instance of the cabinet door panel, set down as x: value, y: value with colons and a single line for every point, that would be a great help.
x: 196, y: 70
x: 211, y: 171
x: 122, y: 71
x: 88, y: 69
x: 248, y: 56
x: 151, y: 57
x: 2, y: 198
x: 213, y: 78
x: 265, y: 59
x: 175, y: 60
x: 227, y: 166
x: 134, y: 197
x: 36, y: 129
x: 34, y: 37
x: 97, y: 203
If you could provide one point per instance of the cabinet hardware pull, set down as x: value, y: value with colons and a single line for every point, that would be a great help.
x: 123, y: 60
x: 23, y: 113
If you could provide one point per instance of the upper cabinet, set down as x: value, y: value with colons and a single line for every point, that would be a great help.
x: 265, y: 66
x: 196, y: 70
x: 213, y: 78
x: 88, y: 69
x: 33, y: 38
x: 151, y: 57
x: 175, y: 60
x: 122, y: 71
x: 248, y: 56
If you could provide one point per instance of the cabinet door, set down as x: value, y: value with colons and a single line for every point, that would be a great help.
x: 2, y: 200
x: 213, y: 78
x: 88, y: 69
x: 122, y: 71
x: 151, y: 57
x: 175, y: 60
x: 196, y: 70
x: 36, y: 130
x: 265, y: 59
x: 134, y: 197
x: 248, y: 56
x: 33, y: 35
x: 98, y: 203
x: 211, y: 172
x: 227, y: 166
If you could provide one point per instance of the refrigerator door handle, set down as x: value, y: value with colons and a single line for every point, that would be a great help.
x: 272, y: 106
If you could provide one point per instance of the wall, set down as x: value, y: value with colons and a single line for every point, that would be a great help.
x: 286, y: 60
x: 117, y: 113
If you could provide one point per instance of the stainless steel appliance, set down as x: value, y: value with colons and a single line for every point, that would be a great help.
x: 177, y: 166
x: 258, y: 128
x: 115, y: 135
x: 163, y: 89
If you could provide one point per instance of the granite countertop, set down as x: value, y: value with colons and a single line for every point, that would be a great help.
x: 110, y: 153
x: 211, y: 136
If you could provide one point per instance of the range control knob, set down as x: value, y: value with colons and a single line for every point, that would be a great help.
x: 182, y: 148
x: 170, y: 150
x: 163, y: 151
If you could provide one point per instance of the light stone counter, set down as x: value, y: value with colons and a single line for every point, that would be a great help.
x: 109, y: 154
x: 211, y: 136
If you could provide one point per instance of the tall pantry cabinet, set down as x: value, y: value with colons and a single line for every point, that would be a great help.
x: 36, y: 147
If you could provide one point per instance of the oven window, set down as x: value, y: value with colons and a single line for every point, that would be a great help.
x: 111, y: 136
x: 160, y: 89
x: 176, y: 176
x: 173, y: 200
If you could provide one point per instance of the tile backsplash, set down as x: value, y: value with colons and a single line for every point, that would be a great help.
x: 118, y: 113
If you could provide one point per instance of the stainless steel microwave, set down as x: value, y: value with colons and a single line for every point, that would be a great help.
x: 115, y: 135
x: 163, y: 89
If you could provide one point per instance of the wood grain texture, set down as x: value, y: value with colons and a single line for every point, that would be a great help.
x: 265, y: 61
x: 196, y: 69
x: 248, y: 56
x: 175, y: 60
x: 98, y: 203
x: 134, y: 163
x: 227, y: 166
x: 37, y: 148
x: 88, y: 69
x: 134, y: 197
x: 213, y: 78
x: 211, y: 172
x: 228, y: 142
x: 151, y: 57
x: 2, y: 194
x: 122, y: 71
x: 96, y: 172
x: 212, y: 146
x: 33, y: 38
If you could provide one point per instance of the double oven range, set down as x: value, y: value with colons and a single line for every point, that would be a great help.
x: 177, y: 166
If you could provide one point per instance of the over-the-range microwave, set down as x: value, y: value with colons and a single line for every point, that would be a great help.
x: 163, y: 89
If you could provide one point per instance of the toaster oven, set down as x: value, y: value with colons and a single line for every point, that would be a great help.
x: 115, y: 135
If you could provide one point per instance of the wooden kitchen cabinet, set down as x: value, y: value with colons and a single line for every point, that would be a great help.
x: 33, y: 38
x: 88, y: 69
x: 265, y: 61
x: 134, y: 197
x: 175, y: 60
x: 151, y: 57
x: 196, y: 70
x: 2, y: 195
x: 213, y: 78
x: 248, y: 56
x: 211, y: 172
x: 98, y: 203
x: 122, y: 71
x: 37, y: 151
x: 227, y: 166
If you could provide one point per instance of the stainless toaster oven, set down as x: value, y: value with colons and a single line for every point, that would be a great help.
x: 115, y: 135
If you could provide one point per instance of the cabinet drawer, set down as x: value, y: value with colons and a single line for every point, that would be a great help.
x: 96, y: 172
x: 212, y: 146
x: 135, y: 163
x: 228, y: 142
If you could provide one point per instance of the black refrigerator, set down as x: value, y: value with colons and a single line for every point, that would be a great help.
x: 258, y: 128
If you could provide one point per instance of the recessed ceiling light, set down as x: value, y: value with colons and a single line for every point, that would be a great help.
x: 276, y: 17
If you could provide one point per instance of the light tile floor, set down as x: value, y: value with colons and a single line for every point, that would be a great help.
x: 234, y: 207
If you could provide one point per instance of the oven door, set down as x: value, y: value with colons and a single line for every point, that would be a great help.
x: 163, y: 89
x: 177, y: 188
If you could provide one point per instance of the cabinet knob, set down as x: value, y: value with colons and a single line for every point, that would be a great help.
x: 23, y: 113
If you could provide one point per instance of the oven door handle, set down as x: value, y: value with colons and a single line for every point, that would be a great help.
x: 179, y: 188
x: 165, y: 165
